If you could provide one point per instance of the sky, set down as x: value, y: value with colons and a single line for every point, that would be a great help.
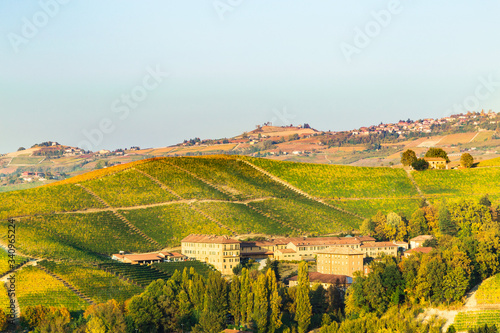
x: 151, y: 73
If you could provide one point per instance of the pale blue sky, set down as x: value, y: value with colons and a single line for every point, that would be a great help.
x: 226, y: 76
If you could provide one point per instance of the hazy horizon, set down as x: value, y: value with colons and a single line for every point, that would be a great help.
x: 157, y: 72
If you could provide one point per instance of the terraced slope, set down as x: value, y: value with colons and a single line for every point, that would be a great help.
x: 148, y: 205
x: 460, y: 183
x: 98, y: 285
x: 36, y: 287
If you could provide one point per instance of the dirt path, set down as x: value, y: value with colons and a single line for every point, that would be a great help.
x: 410, y: 176
x: 299, y: 191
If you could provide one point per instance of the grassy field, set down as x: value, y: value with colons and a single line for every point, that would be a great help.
x: 26, y: 160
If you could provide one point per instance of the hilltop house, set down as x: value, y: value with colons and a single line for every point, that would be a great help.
x: 419, y: 240
x: 436, y: 162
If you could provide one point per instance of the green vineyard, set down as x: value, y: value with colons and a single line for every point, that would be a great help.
x: 169, y: 224
x: 489, y: 291
x: 95, y: 283
x: 368, y: 208
x: 4, y: 261
x: 233, y: 176
x: 473, y: 319
x: 36, y: 287
x: 166, y: 199
x: 308, y: 215
x: 138, y: 274
x: 459, y: 183
x: 181, y: 182
x: 242, y: 219
x: 337, y: 181
x: 128, y: 188
x: 169, y: 268
x: 45, y: 200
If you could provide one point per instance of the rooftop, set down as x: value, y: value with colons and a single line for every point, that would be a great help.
x: 195, y: 238
x: 379, y: 244
x: 419, y: 250
x: 422, y: 238
x: 326, y: 278
x: 340, y: 250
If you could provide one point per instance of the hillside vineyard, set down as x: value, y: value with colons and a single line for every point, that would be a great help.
x: 67, y: 232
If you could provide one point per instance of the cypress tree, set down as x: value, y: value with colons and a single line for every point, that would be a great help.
x: 234, y: 300
x: 261, y: 303
x: 275, y: 300
x: 245, y: 290
x: 446, y: 225
x: 303, y: 306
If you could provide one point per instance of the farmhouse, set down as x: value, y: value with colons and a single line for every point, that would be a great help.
x: 148, y: 258
x: 326, y: 280
x: 418, y: 250
x: 436, y: 162
x: 419, y: 240
x: 221, y: 251
x: 340, y: 260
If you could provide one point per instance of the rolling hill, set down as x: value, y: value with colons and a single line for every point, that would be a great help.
x: 152, y: 204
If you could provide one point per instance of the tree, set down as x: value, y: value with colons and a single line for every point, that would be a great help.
x: 105, y: 317
x: 303, y: 312
x: 437, y: 152
x: 275, y: 302
x: 408, y: 157
x: 145, y: 313
x: 367, y: 227
x: 234, y: 300
x: 213, y: 317
x: 466, y: 160
x: 446, y: 225
x: 261, y: 303
x: 420, y: 164
x: 485, y: 201
x: 55, y: 321
x: 3, y: 321
x: 417, y: 225
x: 21, y: 148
